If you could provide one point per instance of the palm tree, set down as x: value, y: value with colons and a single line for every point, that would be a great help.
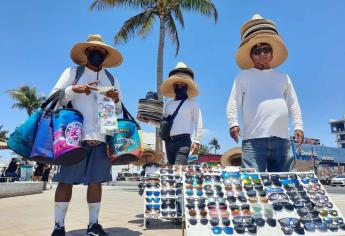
x: 26, y: 98
x: 142, y: 23
x: 214, y: 144
x: 3, y: 134
x: 204, y: 149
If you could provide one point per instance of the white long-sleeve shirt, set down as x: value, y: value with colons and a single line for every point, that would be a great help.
x: 188, y: 119
x: 266, y: 100
x: 86, y: 104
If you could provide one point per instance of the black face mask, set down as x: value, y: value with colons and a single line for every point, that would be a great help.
x: 180, y: 92
x: 95, y: 58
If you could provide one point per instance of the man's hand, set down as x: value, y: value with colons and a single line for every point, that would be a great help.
x: 84, y: 88
x: 299, y: 136
x: 195, y: 148
x: 235, y: 133
x: 113, y: 94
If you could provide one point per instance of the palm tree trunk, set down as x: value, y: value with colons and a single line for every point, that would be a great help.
x: 159, y: 145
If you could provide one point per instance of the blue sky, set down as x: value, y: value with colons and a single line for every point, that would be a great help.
x: 36, y: 38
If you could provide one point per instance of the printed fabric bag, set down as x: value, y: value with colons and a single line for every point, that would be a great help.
x: 58, y: 137
x: 126, y: 144
x: 22, y: 139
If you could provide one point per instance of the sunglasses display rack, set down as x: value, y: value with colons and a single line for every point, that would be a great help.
x: 224, y: 201
x: 163, y: 194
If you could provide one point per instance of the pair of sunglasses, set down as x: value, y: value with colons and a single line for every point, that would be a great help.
x: 258, y: 51
x: 197, y: 192
x: 312, y: 180
x: 152, y: 206
x: 196, y: 200
x: 241, y: 229
x: 274, y: 190
x: 220, y: 206
x: 278, y: 197
x: 168, y: 192
x: 220, y: 230
x: 194, y: 221
x: 152, y: 193
x: 232, y: 199
x: 200, y: 206
x: 166, y: 171
x: 312, y: 226
x: 238, y: 207
x: 151, y: 200
x: 171, y: 206
x: 193, y: 212
x: 244, y: 212
x: 328, y: 212
x: 305, y: 211
x: 278, y: 206
x: 168, y: 213
x: 152, y: 185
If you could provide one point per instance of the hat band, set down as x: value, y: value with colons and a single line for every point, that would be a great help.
x: 184, y: 71
x: 250, y: 31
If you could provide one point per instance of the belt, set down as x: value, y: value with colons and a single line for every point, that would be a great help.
x: 179, y: 136
x: 91, y: 143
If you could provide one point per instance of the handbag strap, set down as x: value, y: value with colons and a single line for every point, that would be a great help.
x: 127, y: 115
x: 177, y: 109
x: 53, y: 99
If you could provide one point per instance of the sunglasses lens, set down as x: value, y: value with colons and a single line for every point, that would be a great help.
x: 216, y: 230
x: 193, y: 221
x: 228, y: 230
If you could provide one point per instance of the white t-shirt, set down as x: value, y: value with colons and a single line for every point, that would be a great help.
x: 266, y: 100
x: 188, y: 119
x: 86, y: 104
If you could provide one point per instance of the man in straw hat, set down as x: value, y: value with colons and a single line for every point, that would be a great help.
x: 182, y: 88
x: 266, y: 98
x: 92, y: 57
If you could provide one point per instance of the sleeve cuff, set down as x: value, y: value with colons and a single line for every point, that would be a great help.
x: 69, y: 93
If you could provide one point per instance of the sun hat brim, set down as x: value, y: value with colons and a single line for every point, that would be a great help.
x: 167, y: 88
x: 113, y: 59
x: 225, y: 160
x: 280, y: 52
x: 149, y: 156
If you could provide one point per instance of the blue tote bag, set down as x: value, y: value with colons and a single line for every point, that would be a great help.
x: 22, y: 139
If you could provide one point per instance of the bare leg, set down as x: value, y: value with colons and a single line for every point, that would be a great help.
x: 94, y: 193
x: 63, y: 192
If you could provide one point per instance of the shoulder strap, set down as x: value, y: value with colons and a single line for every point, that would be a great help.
x: 127, y: 115
x: 110, y: 77
x: 81, y: 69
x: 78, y: 74
x: 178, y: 108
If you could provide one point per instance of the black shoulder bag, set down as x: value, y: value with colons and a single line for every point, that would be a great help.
x: 167, y: 122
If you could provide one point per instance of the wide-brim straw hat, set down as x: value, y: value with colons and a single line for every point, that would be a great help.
x: 182, y: 74
x: 78, y: 55
x: 260, y: 31
x: 226, y: 159
x: 149, y: 156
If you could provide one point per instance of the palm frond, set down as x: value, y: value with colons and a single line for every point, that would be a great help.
x: 132, y: 26
x: 136, y: 4
x: 204, y: 7
x: 171, y: 29
x: 178, y: 15
x: 147, y: 27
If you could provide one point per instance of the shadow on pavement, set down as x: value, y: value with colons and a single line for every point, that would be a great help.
x: 115, y: 231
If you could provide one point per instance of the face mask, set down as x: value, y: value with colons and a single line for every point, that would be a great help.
x: 180, y: 92
x: 95, y: 58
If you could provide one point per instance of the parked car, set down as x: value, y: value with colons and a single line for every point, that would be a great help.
x: 338, y: 180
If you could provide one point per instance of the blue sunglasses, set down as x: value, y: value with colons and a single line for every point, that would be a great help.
x: 155, y: 200
x: 218, y: 230
x: 275, y: 190
x: 154, y: 193
x: 152, y: 206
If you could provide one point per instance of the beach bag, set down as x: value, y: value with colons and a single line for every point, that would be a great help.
x: 167, y: 122
x: 126, y: 144
x: 22, y: 139
x: 67, y: 136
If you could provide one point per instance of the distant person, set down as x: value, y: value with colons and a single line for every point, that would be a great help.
x: 12, y: 170
x: 186, y: 128
x: 39, y: 169
x: 46, y: 177
x: 265, y: 98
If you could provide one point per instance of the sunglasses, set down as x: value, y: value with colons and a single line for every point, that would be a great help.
x: 275, y: 190
x: 168, y: 206
x: 152, y: 185
x: 196, y: 200
x: 244, y: 212
x: 150, y: 200
x: 232, y: 199
x: 278, y: 206
x: 335, y: 220
x: 170, y: 183
x: 303, y: 204
x: 168, y: 213
x: 166, y: 171
x: 219, y: 230
x: 304, y: 212
x: 328, y: 212
x: 168, y: 192
x: 152, y: 206
x: 241, y: 229
x: 278, y: 196
x: 312, y: 180
x: 258, y: 51
x: 200, y: 206
x: 220, y: 206
x: 152, y: 193
x: 237, y: 207
x: 197, y: 192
